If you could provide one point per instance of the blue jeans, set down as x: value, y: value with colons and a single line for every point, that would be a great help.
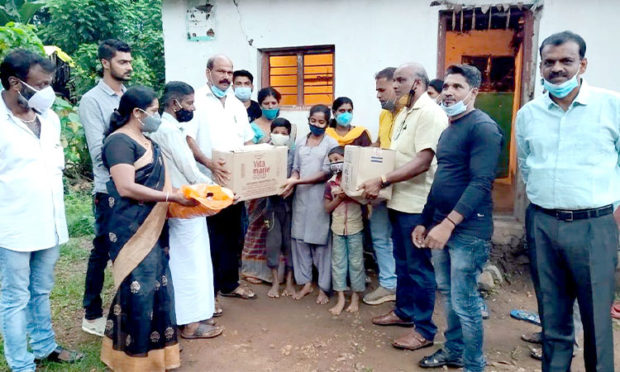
x: 457, y: 268
x: 27, y: 280
x: 381, y: 231
x: 415, y: 288
x: 348, y: 255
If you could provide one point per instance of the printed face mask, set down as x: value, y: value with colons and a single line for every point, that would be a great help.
x: 336, y: 167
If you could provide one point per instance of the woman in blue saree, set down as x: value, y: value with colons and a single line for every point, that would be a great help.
x: 141, y: 334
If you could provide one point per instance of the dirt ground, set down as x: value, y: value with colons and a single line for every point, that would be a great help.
x: 286, y: 335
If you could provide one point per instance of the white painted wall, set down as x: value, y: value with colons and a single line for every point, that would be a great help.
x: 597, y: 22
x: 368, y: 35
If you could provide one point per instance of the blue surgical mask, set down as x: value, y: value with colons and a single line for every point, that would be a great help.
x: 344, y: 119
x: 243, y: 93
x: 316, y: 130
x: 456, y: 109
x: 218, y: 92
x: 561, y: 90
x: 270, y: 114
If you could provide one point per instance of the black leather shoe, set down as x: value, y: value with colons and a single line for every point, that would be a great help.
x: 439, y: 359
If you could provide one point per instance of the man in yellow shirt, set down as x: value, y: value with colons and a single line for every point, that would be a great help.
x: 380, y: 228
x: 387, y: 98
x: 416, y: 131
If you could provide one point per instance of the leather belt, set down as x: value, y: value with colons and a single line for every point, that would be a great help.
x: 581, y: 214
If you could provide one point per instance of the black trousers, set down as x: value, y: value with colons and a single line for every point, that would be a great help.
x: 97, y: 262
x: 226, y: 239
x: 572, y: 260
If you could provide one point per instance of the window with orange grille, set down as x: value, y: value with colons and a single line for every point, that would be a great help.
x: 304, y: 76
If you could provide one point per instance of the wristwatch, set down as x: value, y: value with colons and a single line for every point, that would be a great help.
x: 384, y: 182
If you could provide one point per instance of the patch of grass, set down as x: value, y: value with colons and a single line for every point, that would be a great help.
x: 67, y: 312
x: 79, y: 211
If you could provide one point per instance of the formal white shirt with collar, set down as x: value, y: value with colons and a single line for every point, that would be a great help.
x: 217, y: 126
x: 32, y: 210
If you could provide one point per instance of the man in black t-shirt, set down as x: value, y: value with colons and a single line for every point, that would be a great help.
x: 457, y: 218
x: 243, y: 84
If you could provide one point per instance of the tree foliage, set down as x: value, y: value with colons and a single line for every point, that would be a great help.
x: 21, y: 11
x: 78, y: 26
x: 17, y: 35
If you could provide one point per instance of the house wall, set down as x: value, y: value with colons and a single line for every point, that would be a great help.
x: 367, y: 35
x: 597, y: 22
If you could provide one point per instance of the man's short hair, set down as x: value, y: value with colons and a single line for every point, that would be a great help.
x: 108, y: 48
x: 175, y: 90
x: 243, y: 73
x: 19, y: 62
x: 560, y: 38
x: 387, y: 74
x: 471, y: 74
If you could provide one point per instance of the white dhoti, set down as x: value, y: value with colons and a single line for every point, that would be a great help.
x: 191, y: 269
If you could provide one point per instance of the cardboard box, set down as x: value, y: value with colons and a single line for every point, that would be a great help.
x: 256, y: 171
x: 362, y: 164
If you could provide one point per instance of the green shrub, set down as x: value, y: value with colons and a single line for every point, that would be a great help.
x: 16, y: 35
x: 77, y: 158
x: 79, y: 211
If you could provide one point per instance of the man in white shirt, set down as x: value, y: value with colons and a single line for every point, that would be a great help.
x: 32, y: 217
x: 190, y: 258
x: 221, y: 123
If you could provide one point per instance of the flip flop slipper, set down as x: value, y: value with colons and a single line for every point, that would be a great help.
x: 526, y: 316
x: 203, y: 331
x: 239, y: 295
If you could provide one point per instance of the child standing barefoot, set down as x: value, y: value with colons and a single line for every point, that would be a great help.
x: 278, y: 220
x: 310, y: 223
x: 347, y: 226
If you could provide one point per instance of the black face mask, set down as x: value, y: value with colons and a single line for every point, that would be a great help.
x: 184, y: 115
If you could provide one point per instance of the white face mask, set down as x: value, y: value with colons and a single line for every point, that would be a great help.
x: 280, y: 139
x: 42, y: 100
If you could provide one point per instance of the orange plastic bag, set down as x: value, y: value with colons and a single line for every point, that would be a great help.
x: 211, y: 199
